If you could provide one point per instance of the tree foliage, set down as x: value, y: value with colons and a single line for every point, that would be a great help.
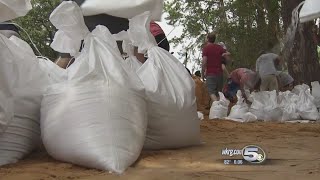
x: 245, y: 26
x: 36, y: 23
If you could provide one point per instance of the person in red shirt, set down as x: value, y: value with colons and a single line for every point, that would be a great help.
x: 159, y: 35
x: 212, y: 55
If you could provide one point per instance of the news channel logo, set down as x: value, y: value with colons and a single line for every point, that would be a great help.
x: 251, y: 154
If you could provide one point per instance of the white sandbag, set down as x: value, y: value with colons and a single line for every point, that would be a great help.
x: 219, y: 109
x: 249, y: 117
x: 316, y: 93
x: 265, y: 106
x: 200, y: 115
x: 309, y: 11
x: 23, y: 78
x: 123, y: 8
x: 240, y: 108
x: 288, y: 103
x: 11, y: 9
x: 300, y: 88
x: 172, y: 111
x: 306, y: 107
x: 97, y: 118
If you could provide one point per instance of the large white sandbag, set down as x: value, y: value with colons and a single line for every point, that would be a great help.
x: 97, y: 118
x: 306, y: 107
x: 11, y: 9
x: 309, y: 11
x: 316, y: 93
x: 172, y: 111
x: 265, y: 106
x: 25, y: 81
x: 219, y: 109
x: 240, y: 108
x: 123, y: 8
x: 288, y: 103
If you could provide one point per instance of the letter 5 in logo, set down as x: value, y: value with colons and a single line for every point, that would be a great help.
x: 254, y: 154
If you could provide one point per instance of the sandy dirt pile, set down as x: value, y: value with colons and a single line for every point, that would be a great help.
x: 292, y: 150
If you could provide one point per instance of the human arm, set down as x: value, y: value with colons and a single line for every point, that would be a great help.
x: 204, y: 67
x: 224, y: 68
x: 227, y: 55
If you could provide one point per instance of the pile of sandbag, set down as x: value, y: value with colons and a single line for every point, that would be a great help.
x: 107, y: 109
x: 299, y: 104
x: 97, y: 117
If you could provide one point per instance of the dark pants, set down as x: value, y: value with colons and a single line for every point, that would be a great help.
x: 230, y: 89
x: 162, y: 41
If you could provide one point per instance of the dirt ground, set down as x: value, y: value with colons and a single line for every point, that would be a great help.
x: 293, y: 152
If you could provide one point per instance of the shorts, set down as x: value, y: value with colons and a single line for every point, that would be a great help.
x: 269, y: 83
x: 214, y: 84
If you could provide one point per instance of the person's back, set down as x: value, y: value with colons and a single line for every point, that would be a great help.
x: 240, y: 75
x: 213, y: 52
x: 265, y: 66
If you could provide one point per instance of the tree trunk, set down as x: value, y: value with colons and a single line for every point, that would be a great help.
x: 303, y: 64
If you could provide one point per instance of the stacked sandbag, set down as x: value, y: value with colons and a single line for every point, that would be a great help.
x: 21, y: 87
x: 306, y: 107
x: 265, y: 106
x: 288, y: 102
x: 97, y: 118
x: 172, y: 111
x: 219, y: 109
x: 239, y: 110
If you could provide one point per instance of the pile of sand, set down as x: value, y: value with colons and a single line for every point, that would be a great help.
x: 292, y: 150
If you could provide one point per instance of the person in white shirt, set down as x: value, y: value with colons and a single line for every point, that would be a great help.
x: 265, y: 67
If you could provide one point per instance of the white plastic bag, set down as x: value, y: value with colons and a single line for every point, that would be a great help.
x: 200, y: 115
x: 306, y: 107
x: 98, y: 117
x: 123, y: 8
x: 239, y: 109
x: 288, y: 103
x: 11, y: 9
x: 219, y: 109
x: 316, y: 93
x: 265, y: 106
x: 22, y: 84
x: 172, y: 111
x: 310, y: 11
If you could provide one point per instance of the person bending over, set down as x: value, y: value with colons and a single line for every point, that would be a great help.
x: 241, y: 79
